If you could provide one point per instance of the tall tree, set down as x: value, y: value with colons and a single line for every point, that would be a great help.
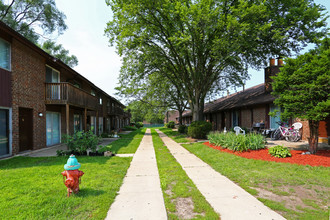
x: 59, y: 52
x: 24, y: 15
x: 204, y: 46
x: 153, y: 90
x: 302, y: 88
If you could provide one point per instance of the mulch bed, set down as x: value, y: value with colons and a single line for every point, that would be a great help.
x: 321, y: 158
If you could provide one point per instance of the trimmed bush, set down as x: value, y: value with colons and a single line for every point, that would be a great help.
x: 237, y: 142
x: 183, y: 129
x: 81, y: 141
x: 199, y: 129
x: 170, y: 124
x: 138, y: 125
x: 279, y: 151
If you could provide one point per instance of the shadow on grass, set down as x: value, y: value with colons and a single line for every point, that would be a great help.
x: 89, y: 192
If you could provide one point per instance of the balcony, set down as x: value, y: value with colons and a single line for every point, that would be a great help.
x: 66, y: 93
x: 115, y: 111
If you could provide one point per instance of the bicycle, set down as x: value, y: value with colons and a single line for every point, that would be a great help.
x: 289, y: 133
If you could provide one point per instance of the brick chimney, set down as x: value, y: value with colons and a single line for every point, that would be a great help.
x: 272, y: 70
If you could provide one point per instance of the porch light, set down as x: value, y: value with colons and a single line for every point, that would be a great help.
x: 40, y: 114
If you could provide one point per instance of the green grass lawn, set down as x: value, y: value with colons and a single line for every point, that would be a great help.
x: 295, y: 191
x: 178, y: 188
x: 33, y: 188
x: 128, y: 143
x: 179, y: 138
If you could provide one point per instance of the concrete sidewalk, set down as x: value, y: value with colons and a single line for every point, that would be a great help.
x: 140, y: 196
x: 227, y: 198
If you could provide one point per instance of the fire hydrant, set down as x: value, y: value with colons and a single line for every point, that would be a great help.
x: 72, y: 175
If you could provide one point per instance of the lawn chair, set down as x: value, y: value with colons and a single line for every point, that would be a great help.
x: 297, y: 126
x: 239, y: 130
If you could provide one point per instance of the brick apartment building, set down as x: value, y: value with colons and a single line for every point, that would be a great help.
x: 250, y: 108
x: 41, y: 98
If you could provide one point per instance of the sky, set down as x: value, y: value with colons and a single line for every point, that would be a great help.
x: 98, y: 62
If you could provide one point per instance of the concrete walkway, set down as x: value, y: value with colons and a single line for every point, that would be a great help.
x: 227, y: 198
x: 140, y: 196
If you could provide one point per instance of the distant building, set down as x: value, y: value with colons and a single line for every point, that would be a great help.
x: 172, y: 115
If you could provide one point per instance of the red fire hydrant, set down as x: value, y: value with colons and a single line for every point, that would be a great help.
x: 72, y: 175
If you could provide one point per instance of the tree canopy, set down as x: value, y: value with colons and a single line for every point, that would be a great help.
x: 154, y: 91
x: 28, y: 16
x: 302, y: 88
x: 25, y: 15
x: 59, y: 52
x: 141, y: 112
x: 205, y: 46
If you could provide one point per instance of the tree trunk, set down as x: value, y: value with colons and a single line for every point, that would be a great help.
x: 180, y: 117
x: 197, y: 110
x: 313, y: 136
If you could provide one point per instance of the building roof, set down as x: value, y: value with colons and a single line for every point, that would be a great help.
x: 252, y: 96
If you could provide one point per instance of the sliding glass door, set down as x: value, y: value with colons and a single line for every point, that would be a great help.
x: 53, y: 128
x: 4, y: 132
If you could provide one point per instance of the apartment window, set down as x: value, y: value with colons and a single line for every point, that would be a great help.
x: 93, y: 124
x: 93, y: 93
x: 108, y: 125
x: 52, y: 75
x: 100, y: 125
x: 235, y: 118
x: 76, y: 85
x: 77, y: 123
x: 4, y: 54
x: 100, y: 101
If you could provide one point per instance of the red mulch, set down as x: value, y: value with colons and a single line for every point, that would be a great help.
x: 321, y: 158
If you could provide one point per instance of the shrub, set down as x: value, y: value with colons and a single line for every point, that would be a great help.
x: 199, y: 129
x: 237, y: 142
x: 81, y: 141
x: 279, y: 151
x: 170, y: 124
x: 104, y: 135
x: 138, y: 125
x: 183, y: 129
x: 130, y: 128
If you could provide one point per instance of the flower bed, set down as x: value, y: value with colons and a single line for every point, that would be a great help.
x: 321, y: 158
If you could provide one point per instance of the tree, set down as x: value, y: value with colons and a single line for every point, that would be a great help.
x: 59, y: 52
x: 204, y: 46
x: 302, y: 88
x: 140, y: 112
x: 24, y: 15
x: 153, y: 90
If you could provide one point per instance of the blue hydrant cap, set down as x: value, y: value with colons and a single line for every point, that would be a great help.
x: 72, y: 163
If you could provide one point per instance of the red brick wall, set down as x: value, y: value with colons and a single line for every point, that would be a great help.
x: 228, y: 120
x: 246, y: 118
x: 259, y: 114
x: 28, y: 77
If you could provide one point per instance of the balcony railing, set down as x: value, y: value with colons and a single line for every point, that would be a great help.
x: 115, y: 111
x: 66, y: 93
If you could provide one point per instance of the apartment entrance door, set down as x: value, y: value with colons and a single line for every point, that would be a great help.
x: 25, y: 129
x: 4, y: 132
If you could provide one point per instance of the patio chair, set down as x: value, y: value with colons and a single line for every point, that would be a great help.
x: 239, y: 130
x: 297, y: 126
